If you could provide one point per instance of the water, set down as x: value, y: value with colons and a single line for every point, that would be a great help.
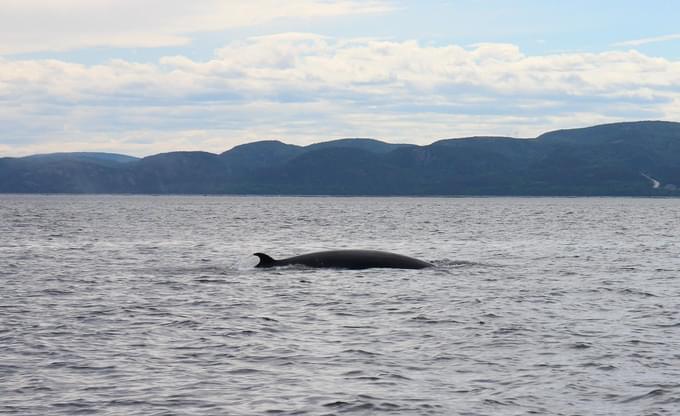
x: 151, y: 306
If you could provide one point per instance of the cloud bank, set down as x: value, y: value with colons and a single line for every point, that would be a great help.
x: 303, y: 88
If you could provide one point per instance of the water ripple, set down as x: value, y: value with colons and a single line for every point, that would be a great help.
x: 152, y: 306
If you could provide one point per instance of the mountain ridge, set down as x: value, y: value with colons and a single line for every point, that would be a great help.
x: 611, y: 159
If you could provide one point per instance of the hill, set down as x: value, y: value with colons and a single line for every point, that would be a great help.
x: 638, y: 158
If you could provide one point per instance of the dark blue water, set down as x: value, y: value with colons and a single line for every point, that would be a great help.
x: 151, y: 306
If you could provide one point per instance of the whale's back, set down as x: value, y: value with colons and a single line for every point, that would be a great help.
x: 347, y: 259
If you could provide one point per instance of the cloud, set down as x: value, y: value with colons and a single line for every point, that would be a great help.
x: 644, y: 41
x: 303, y: 87
x: 60, y: 25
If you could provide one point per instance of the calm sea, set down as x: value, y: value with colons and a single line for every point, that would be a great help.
x: 124, y: 305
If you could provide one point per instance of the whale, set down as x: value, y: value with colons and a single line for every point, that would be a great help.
x: 346, y: 259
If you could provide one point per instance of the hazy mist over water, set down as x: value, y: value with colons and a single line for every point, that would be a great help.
x: 143, y: 305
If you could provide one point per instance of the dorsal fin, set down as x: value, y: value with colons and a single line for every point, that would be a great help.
x: 265, y: 260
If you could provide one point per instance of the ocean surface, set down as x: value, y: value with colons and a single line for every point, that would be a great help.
x: 151, y: 305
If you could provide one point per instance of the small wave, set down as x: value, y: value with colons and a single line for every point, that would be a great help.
x: 448, y: 263
x: 651, y: 394
x: 127, y: 402
x: 71, y: 366
x: 675, y: 325
x: 396, y: 376
x: 358, y: 326
x: 56, y: 292
x: 362, y: 407
x: 638, y: 292
x: 426, y: 320
x: 202, y: 270
x: 268, y: 319
x: 511, y: 329
x: 182, y: 323
x: 218, y: 281
x: 338, y: 403
x: 244, y: 371
x: 580, y: 346
x: 607, y: 367
x: 643, y: 342
x: 361, y: 352
x: 658, y: 385
x: 246, y: 332
x: 499, y: 402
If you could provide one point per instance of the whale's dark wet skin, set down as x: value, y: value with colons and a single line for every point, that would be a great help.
x: 347, y: 259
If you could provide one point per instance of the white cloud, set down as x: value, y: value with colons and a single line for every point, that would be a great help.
x: 59, y: 25
x: 654, y: 39
x: 304, y: 88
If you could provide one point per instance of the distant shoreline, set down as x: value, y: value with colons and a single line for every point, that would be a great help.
x: 620, y: 159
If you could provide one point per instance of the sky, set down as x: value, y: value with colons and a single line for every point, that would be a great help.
x: 141, y: 77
